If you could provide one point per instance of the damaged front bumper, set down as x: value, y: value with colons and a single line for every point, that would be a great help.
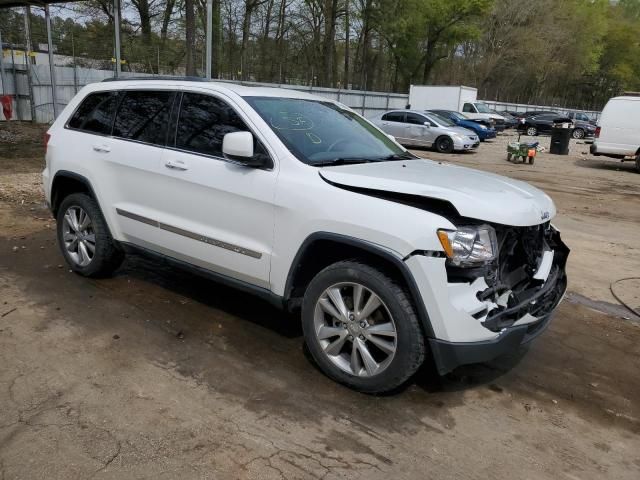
x: 484, y: 313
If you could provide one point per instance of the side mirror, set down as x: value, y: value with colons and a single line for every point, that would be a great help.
x: 427, y: 124
x: 238, y: 147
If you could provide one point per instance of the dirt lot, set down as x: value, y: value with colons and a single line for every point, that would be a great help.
x: 156, y: 373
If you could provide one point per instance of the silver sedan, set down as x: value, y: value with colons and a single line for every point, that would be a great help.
x: 417, y: 128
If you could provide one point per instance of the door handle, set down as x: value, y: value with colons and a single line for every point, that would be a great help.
x: 176, y: 166
x: 102, y: 148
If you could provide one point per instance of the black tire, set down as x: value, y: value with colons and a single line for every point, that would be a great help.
x: 638, y: 162
x: 107, y: 256
x: 509, y: 157
x: 531, y: 131
x: 444, y: 144
x: 578, y: 133
x: 410, y: 343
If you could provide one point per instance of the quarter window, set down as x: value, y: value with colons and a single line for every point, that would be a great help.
x: 203, y: 122
x: 143, y: 116
x: 95, y: 113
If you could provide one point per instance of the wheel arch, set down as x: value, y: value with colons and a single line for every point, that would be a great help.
x: 64, y: 184
x: 322, y: 249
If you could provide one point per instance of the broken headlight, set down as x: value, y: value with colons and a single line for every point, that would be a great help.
x: 469, y: 246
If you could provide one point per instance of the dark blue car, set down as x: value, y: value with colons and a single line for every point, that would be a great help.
x: 461, y: 120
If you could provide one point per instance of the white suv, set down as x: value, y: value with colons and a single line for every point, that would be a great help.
x: 297, y: 198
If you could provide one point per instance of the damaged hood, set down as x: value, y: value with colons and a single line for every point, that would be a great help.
x: 473, y: 193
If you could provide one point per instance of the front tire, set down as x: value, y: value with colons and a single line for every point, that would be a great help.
x: 361, y: 328
x: 84, y: 237
x: 638, y: 162
x: 444, y: 145
x: 532, y: 131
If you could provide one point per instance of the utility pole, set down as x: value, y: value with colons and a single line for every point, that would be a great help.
x: 2, y: 78
x: 27, y: 58
x: 347, y: 27
x: 208, y: 36
x: 52, y: 68
x: 116, y: 28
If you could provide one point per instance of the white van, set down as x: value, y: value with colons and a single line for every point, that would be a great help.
x: 618, y: 132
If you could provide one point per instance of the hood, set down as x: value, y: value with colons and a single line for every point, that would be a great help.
x: 470, y: 124
x: 474, y: 194
x: 495, y: 116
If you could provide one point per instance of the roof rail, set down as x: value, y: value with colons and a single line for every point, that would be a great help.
x: 157, y: 77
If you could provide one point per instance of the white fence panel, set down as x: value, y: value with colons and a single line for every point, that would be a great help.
x: 70, y: 80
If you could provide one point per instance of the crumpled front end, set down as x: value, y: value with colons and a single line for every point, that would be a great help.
x: 483, y: 312
x: 522, y: 285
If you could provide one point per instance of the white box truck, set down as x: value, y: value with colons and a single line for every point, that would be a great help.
x: 456, y: 98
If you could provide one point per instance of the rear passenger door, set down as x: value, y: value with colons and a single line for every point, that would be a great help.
x: 393, y: 124
x: 133, y: 155
x: 213, y: 212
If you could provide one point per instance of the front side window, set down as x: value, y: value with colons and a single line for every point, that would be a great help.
x: 95, y: 113
x: 483, y: 108
x: 203, y: 122
x: 416, y: 119
x: 143, y: 116
x: 468, y: 108
x: 318, y: 132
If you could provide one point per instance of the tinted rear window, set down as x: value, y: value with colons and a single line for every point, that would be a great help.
x: 95, y: 113
x: 393, y: 117
x: 143, y: 116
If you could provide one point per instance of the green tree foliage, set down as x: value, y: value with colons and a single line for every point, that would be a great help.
x: 572, y: 52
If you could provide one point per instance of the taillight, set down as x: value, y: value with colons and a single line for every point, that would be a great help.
x: 598, y: 132
x: 47, y: 136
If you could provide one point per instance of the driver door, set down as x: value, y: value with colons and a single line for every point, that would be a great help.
x: 211, y: 212
x: 418, y: 130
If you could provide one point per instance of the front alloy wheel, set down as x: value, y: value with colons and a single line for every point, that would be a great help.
x: 78, y: 235
x: 361, y: 328
x: 355, y: 329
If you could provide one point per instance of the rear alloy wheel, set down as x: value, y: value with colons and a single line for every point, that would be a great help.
x: 444, y: 145
x: 578, y: 133
x: 532, y: 131
x: 84, y: 237
x: 361, y: 328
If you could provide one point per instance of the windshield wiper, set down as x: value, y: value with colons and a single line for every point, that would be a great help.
x: 400, y: 156
x: 343, y: 161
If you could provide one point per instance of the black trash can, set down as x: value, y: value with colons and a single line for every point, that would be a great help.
x: 561, y: 132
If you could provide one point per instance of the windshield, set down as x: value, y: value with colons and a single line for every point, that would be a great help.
x: 442, y: 120
x: 482, y: 108
x: 321, y: 133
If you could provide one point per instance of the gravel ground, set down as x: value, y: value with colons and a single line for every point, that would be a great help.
x: 156, y: 373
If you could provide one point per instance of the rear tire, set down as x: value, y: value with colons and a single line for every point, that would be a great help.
x: 84, y: 238
x: 390, y: 335
x: 532, y: 131
x: 578, y: 133
x: 444, y: 144
x: 638, y: 162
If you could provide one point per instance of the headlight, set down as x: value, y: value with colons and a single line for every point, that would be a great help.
x: 482, y: 127
x: 469, y: 246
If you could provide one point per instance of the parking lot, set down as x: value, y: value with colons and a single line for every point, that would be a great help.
x: 157, y: 373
